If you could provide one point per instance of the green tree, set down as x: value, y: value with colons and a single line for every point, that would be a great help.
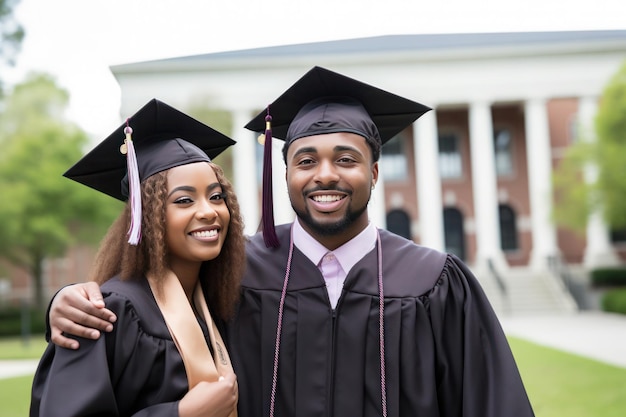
x: 573, y: 194
x: 578, y: 193
x: 219, y: 120
x: 43, y: 213
x: 611, y: 152
x: 11, y: 35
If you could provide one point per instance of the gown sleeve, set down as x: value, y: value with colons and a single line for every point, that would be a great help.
x: 103, y: 377
x: 476, y: 373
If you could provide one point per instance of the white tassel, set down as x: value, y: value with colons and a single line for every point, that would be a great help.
x: 134, y: 190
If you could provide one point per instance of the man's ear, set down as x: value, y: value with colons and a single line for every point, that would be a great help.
x: 374, y: 174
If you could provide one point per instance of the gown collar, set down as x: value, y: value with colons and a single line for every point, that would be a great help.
x: 347, y: 254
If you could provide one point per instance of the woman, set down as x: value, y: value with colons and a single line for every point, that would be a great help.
x: 183, y: 255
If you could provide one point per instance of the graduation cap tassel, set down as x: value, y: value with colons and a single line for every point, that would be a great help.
x: 269, y: 232
x: 134, y: 232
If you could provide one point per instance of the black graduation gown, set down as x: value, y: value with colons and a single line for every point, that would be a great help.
x: 136, y: 370
x: 446, y: 353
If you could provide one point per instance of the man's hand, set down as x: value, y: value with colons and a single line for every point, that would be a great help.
x: 79, y: 310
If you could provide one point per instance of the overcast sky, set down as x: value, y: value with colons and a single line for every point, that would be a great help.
x: 78, y: 40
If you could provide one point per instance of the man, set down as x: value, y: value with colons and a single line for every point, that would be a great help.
x: 338, y: 318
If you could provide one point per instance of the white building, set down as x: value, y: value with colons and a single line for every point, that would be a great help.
x: 471, y: 177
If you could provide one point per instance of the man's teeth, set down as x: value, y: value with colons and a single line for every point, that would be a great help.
x: 205, y: 233
x: 327, y: 198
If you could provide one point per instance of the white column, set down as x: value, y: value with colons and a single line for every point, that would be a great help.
x: 426, y: 156
x: 244, y: 171
x: 283, y: 213
x: 599, y: 251
x: 484, y: 186
x: 539, y: 161
x: 376, y: 207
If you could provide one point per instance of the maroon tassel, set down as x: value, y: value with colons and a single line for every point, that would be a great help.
x: 269, y: 232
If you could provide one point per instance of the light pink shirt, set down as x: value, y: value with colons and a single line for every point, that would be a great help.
x: 334, y: 265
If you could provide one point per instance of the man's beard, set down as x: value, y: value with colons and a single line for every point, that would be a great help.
x: 330, y: 229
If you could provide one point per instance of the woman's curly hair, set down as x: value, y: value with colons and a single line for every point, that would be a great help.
x: 220, y: 277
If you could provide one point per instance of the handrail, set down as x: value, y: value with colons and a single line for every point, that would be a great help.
x: 559, y: 268
x: 497, y: 276
x: 501, y: 285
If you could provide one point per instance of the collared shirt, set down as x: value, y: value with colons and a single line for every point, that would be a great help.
x: 334, y: 265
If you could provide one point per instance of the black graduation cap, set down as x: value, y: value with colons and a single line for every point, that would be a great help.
x: 321, y: 102
x: 390, y: 113
x: 156, y: 138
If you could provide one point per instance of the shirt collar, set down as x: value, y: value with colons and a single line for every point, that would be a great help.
x: 347, y: 254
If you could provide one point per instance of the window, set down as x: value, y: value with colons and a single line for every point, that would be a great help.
x: 508, y: 228
x: 398, y: 222
x: 393, y: 160
x: 502, y: 140
x: 453, y: 232
x: 450, y: 165
x: 618, y: 235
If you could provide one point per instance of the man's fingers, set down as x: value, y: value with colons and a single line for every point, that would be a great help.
x: 93, y: 294
x: 73, y: 320
x: 77, y: 307
x: 98, y: 318
x: 92, y: 320
x: 68, y: 326
x: 58, y: 339
x: 91, y: 302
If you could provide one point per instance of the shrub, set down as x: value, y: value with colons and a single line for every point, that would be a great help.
x: 14, y: 320
x: 608, y: 277
x: 614, y: 301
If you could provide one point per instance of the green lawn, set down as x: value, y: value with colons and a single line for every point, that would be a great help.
x: 559, y: 384
x: 15, y: 396
x: 16, y: 348
x: 15, y: 392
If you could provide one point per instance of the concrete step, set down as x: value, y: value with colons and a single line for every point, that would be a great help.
x: 527, y: 291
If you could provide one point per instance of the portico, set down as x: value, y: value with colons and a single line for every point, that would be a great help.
x: 474, y: 174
